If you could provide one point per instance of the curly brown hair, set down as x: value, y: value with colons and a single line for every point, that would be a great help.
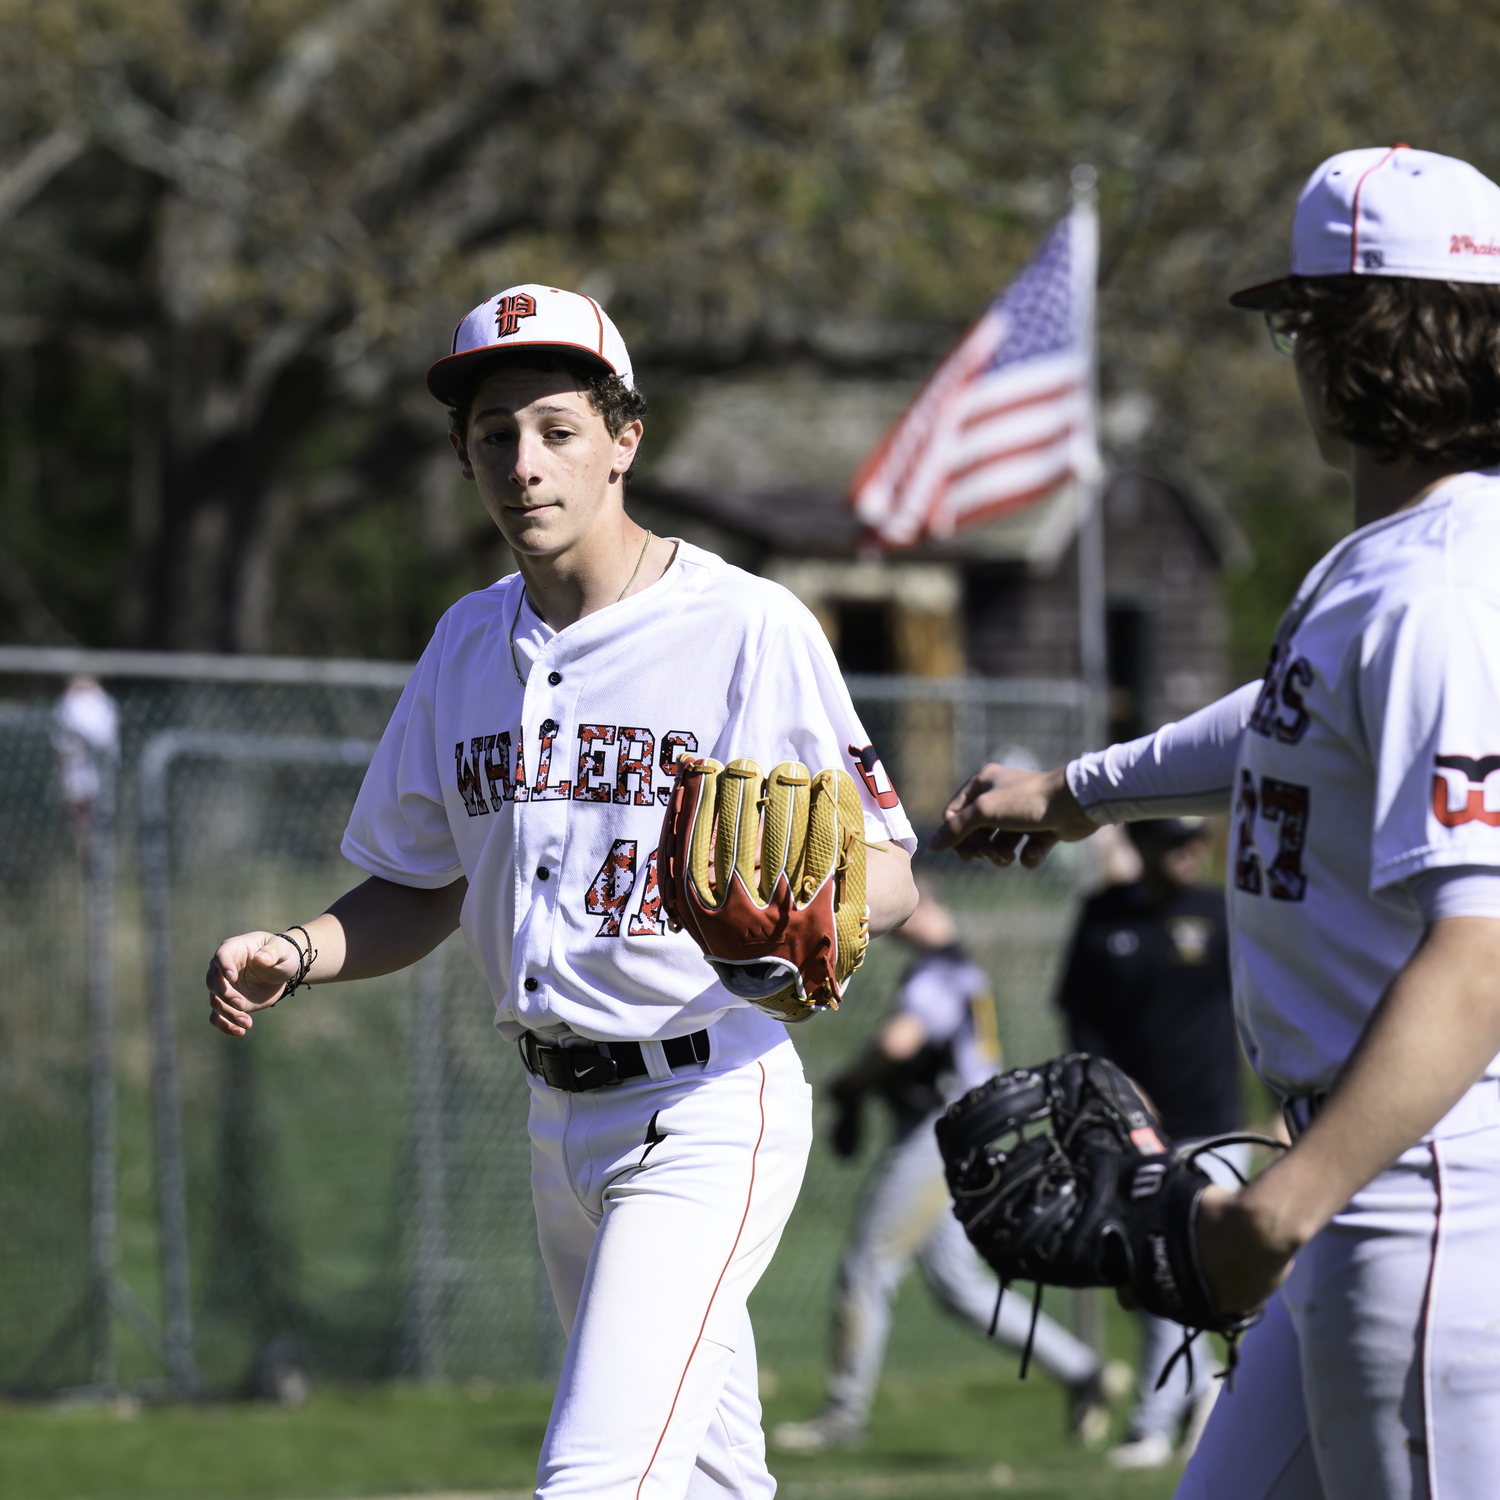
x: 1410, y: 368
x: 608, y: 396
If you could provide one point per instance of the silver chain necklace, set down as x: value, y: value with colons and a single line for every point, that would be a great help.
x: 515, y: 618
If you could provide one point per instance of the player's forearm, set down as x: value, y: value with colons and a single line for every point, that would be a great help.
x: 1428, y: 1041
x: 1183, y: 768
x: 374, y: 929
x: 1001, y: 806
x: 890, y: 892
x: 380, y: 927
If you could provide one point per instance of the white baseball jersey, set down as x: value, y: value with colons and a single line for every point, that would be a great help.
x: 1369, y: 756
x: 548, y: 795
x: 1363, y: 777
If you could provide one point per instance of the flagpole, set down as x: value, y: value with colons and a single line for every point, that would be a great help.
x: 1088, y: 1310
x: 1089, y: 466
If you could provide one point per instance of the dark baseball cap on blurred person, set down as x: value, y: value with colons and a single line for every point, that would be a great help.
x: 1390, y: 211
x: 1166, y: 833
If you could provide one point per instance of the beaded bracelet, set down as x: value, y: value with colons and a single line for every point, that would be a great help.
x: 304, y: 960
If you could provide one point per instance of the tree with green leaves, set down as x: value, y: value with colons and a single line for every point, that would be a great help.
x: 232, y: 235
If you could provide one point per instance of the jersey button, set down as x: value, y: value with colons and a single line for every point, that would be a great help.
x: 543, y: 873
x: 549, y: 726
x: 554, y: 678
x: 531, y: 984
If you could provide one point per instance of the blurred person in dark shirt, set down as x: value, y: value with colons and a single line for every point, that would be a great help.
x: 1147, y: 986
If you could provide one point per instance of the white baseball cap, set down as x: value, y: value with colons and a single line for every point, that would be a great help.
x: 531, y: 317
x: 1391, y: 211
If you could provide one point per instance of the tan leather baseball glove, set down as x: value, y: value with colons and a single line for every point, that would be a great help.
x: 768, y: 875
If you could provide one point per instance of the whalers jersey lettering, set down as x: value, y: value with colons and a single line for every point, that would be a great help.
x: 615, y: 764
x: 1280, y: 712
x: 542, y: 780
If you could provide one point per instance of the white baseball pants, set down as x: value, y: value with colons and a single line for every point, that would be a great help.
x: 652, y: 1251
x: 907, y: 1215
x: 1375, y: 1374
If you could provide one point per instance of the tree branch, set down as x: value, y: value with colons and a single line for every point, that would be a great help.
x: 22, y: 181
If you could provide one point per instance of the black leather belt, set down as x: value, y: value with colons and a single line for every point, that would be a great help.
x: 1300, y: 1112
x: 576, y: 1070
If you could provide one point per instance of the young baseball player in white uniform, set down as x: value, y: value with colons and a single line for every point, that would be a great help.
x: 518, y: 794
x: 1363, y: 779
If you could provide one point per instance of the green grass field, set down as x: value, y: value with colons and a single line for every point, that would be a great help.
x: 960, y: 1437
x: 952, y: 1419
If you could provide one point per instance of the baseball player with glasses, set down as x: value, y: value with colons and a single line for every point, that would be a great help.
x: 519, y: 794
x: 1362, y: 777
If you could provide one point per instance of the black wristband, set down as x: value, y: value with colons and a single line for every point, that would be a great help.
x: 304, y: 960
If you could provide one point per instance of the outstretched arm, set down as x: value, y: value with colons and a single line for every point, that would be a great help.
x: 376, y: 928
x: 1002, y: 810
x: 1186, y: 767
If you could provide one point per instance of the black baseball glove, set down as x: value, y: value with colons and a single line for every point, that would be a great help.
x: 1060, y: 1176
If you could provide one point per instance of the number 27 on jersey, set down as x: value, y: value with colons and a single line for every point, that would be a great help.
x: 1283, y: 804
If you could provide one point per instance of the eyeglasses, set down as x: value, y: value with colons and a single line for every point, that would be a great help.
x: 1283, y: 339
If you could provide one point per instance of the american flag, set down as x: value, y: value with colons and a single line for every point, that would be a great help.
x: 1007, y: 416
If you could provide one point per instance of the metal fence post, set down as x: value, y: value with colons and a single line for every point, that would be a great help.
x: 968, y: 739
x: 101, y: 876
x: 156, y: 869
x: 171, y: 1177
x: 429, y: 1065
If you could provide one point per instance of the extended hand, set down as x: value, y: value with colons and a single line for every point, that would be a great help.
x: 248, y: 973
x: 994, y: 811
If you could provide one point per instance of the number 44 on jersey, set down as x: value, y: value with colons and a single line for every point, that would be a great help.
x: 611, y: 888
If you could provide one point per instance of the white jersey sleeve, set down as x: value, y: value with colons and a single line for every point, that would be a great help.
x: 1457, y: 891
x: 1185, y: 769
x: 399, y: 829
x: 1429, y: 702
x: 794, y: 706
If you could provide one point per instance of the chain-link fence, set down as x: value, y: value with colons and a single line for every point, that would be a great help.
x: 347, y: 1190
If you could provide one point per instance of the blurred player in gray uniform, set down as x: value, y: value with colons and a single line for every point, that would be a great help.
x: 939, y: 1042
